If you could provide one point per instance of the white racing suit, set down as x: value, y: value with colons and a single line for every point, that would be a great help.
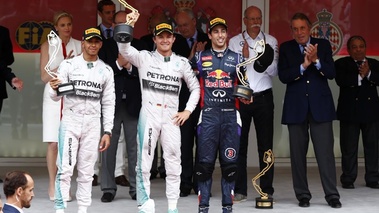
x: 161, y: 80
x: 79, y: 132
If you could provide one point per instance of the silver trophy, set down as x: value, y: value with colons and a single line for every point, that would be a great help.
x: 65, y: 88
x: 244, y: 91
x: 123, y: 33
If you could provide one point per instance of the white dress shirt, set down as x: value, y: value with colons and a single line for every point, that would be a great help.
x: 258, y: 81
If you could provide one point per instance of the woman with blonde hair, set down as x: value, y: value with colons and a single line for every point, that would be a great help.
x: 68, y: 47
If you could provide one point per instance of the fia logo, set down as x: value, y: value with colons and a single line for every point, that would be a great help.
x: 30, y: 35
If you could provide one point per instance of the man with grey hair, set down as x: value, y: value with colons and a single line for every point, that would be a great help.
x: 260, y: 75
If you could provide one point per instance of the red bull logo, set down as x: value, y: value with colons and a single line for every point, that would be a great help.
x: 218, y: 74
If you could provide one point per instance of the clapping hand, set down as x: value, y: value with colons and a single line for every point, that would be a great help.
x: 310, y: 55
x: 364, y: 69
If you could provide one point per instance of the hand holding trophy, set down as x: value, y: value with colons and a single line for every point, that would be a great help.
x: 62, y: 89
x: 123, y: 33
x: 264, y: 201
x: 244, y: 91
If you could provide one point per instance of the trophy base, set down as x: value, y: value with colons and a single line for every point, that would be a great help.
x: 243, y: 92
x: 264, y: 203
x: 65, y: 89
x: 123, y: 33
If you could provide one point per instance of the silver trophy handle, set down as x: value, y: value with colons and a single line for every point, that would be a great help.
x: 259, y: 49
x: 53, y: 41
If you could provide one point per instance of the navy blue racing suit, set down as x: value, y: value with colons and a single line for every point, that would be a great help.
x: 219, y: 125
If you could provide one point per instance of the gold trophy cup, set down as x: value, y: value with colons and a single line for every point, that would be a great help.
x: 264, y: 201
x: 123, y: 33
x: 244, y: 90
x: 65, y: 88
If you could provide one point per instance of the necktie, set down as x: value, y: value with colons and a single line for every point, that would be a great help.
x: 303, y: 51
x: 191, y: 41
x: 64, y: 51
x: 108, y: 31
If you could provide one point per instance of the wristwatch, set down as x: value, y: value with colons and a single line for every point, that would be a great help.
x: 317, y: 61
x: 108, y: 133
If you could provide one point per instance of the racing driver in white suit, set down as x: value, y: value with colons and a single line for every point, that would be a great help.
x: 161, y: 73
x: 79, y: 132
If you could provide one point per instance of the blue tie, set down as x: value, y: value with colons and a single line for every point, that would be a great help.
x: 109, y: 31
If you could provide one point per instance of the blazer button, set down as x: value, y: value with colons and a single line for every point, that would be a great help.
x: 369, y: 98
x: 307, y: 82
x: 306, y: 94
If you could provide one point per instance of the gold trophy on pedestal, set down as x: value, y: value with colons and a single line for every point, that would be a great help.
x: 264, y: 201
x: 123, y: 33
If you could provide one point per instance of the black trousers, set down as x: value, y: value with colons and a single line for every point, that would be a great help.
x: 262, y: 113
x: 349, y: 139
x: 189, y: 139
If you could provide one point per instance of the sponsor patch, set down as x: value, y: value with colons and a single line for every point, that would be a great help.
x: 207, y: 64
x: 230, y: 153
x: 206, y: 58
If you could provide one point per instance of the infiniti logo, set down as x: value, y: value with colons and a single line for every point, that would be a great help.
x: 219, y: 93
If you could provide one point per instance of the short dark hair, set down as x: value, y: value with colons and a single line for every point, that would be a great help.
x: 355, y: 37
x: 301, y: 16
x: 13, y: 180
x: 102, y: 3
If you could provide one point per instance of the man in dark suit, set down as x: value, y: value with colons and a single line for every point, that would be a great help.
x: 6, y: 59
x: 128, y: 104
x: 106, y: 10
x: 6, y: 74
x: 305, y: 65
x: 19, y: 191
x: 186, y: 22
x: 358, y: 111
